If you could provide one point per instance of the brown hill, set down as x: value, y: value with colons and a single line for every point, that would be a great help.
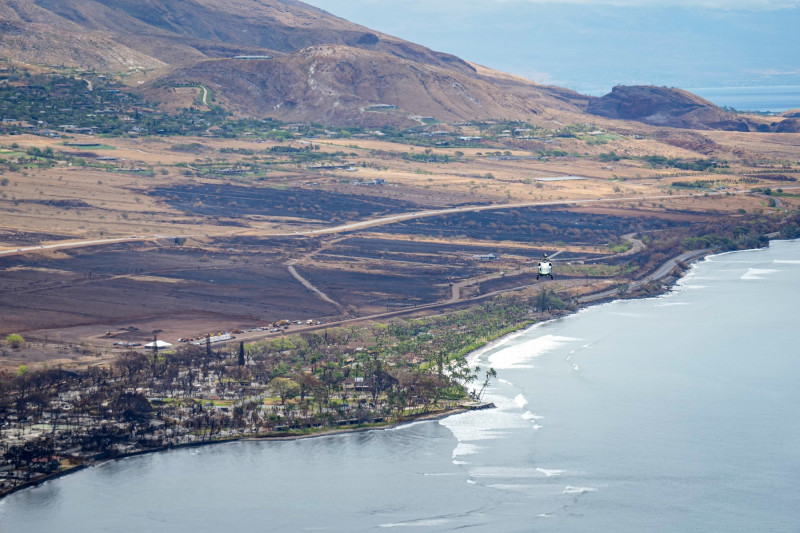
x: 336, y: 84
x: 119, y: 34
x: 676, y: 108
x: 664, y: 106
x: 324, y: 68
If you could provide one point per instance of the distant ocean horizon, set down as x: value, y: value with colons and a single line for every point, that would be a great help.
x: 768, y: 99
x: 760, y: 98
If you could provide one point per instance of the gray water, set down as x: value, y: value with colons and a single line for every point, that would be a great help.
x: 772, y: 99
x: 677, y: 413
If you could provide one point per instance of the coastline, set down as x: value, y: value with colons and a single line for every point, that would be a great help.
x: 328, y: 432
x: 584, y: 302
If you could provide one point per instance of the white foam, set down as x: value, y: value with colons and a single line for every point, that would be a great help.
x: 513, y: 472
x: 520, y: 400
x: 530, y: 416
x: 518, y: 355
x: 474, y: 358
x: 485, y: 425
x: 504, y: 381
x: 404, y: 427
x: 575, y: 366
x: 787, y: 261
x: 419, y: 523
x: 550, y: 472
x: 510, y: 487
x: 578, y: 490
x: 758, y: 273
x: 465, y: 448
x: 671, y: 304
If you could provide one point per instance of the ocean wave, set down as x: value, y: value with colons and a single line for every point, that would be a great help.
x: 550, y: 472
x: 432, y: 522
x: 510, y: 487
x: 514, y: 472
x: 475, y: 358
x: 465, y: 448
x: 758, y: 273
x: 478, y: 426
x: 518, y: 355
x: 578, y: 490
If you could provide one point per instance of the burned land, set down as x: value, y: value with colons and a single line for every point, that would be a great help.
x: 534, y: 224
x: 251, y: 231
x: 243, y: 281
x: 132, y: 284
x: 226, y: 200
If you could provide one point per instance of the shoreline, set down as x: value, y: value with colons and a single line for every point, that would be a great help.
x: 583, y: 303
x: 328, y: 432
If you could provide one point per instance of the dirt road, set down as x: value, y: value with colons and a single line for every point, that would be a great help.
x: 352, y: 226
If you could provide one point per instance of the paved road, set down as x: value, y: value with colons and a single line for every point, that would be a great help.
x: 380, y: 221
x: 69, y: 244
x: 659, y: 273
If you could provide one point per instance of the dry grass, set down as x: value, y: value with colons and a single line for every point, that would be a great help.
x: 118, y: 203
x: 102, y: 204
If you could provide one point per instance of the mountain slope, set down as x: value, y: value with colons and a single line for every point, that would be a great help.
x: 177, y: 32
x: 337, y: 84
x: 324, y: 69
x: 664, y: 106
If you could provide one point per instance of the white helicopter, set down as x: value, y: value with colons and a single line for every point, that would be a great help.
x: 545, y: 268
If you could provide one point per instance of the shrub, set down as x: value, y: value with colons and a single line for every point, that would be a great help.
x: 15, y: 340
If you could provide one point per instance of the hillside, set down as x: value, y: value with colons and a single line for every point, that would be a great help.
x: 321, y: 68
x: 120, y: 34
x: 676, y: 108
x: 344, y: 85
x: 324, y: 69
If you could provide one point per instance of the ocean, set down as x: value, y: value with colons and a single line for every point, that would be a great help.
x: 775, y: 99
x: 676, y: 413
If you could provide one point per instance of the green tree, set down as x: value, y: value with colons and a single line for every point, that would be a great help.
x: 285, y: 388
x: 547, y: 300
x: 491, y: 373
x: 15, y: 340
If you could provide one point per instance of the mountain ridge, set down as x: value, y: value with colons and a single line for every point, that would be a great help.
x: 323, y: 68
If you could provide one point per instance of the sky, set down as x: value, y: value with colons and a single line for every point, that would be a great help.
x: 592, y: 45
